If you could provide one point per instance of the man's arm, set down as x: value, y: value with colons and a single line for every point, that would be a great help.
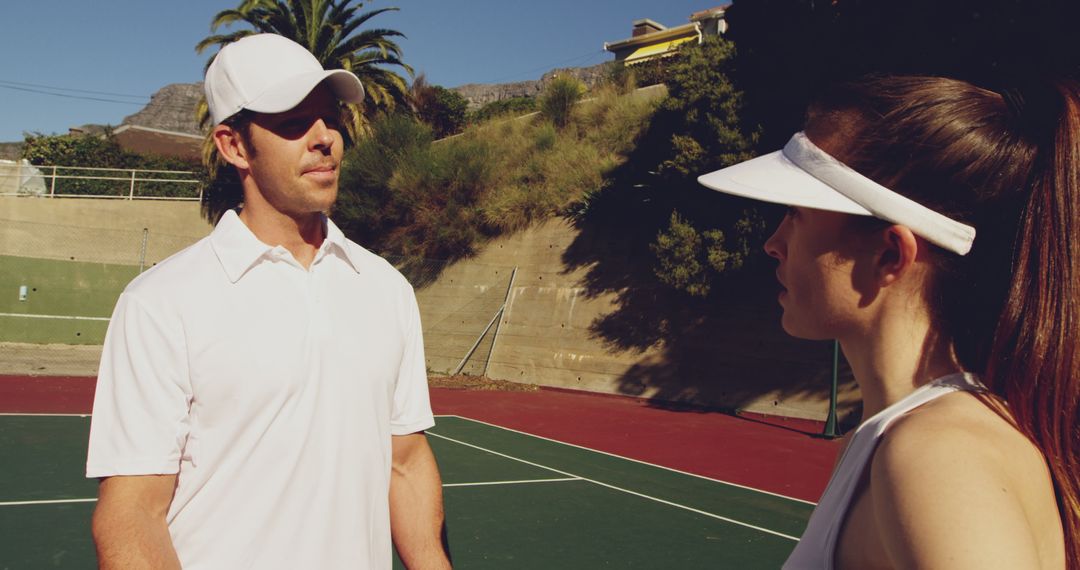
x: 416, y: 507
x: 129, y: 522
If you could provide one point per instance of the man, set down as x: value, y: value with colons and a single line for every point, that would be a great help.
x: 262, y: 394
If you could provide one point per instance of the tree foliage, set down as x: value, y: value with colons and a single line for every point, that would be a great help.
x: 101, y: 152
x: 444, y: 110
x: 788, y: 50
x: 709, y: 131
x: 331, y: 30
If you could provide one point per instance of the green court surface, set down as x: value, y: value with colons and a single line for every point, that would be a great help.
x: 67, y: 302
x: 512, y: 500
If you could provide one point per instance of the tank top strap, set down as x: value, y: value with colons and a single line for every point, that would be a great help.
x: 817, y: 547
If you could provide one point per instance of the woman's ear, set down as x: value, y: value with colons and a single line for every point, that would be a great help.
x: 230, y: 146
x: 899, y: 249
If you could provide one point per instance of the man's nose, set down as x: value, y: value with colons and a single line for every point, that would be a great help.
x: 321, y: 135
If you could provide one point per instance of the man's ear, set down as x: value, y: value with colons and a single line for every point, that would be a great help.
x: 899, y: 250
x: 230, y: 146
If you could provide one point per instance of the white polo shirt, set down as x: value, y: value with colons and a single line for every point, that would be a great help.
x: 272, y: 391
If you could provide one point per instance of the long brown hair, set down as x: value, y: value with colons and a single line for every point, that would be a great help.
x: 1006, y: 163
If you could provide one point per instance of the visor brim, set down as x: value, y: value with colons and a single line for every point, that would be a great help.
x: 774, y: 178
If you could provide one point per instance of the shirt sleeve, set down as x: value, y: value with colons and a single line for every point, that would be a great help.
x: 141, y: 419
x: 412, y: 404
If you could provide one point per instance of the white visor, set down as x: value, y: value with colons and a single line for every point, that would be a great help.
x: 804, y: 175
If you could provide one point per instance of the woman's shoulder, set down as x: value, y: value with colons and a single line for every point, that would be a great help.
x: 968, y: 428
x: 957, y: 472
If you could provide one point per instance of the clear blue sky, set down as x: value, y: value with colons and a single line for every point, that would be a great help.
x: 127, y: 49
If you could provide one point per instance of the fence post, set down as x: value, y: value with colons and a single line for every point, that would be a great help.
x: 142, y: 250
x: 52, y: 186
x: 131, y: 193
x: 830, y: 420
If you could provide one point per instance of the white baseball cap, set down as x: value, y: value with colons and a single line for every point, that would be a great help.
x: 804, y: 175
x: 268, y: 73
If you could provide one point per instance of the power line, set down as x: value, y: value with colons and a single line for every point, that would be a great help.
x: 67, y: 96
x: 98, y: 99
x: 55, y: 88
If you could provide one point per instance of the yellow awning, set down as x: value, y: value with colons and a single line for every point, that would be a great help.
x: 655, y: 50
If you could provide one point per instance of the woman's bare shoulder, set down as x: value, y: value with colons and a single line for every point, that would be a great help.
x: 949, y: 487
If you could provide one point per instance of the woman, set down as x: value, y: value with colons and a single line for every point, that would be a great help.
x: 934, y: 230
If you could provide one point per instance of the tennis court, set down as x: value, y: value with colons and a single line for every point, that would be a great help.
x: 513, y: 500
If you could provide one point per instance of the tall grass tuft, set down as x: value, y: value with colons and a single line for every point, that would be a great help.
x: 558, y: 99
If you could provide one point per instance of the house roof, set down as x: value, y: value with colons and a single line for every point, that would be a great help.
x: 685, y: 30
x: 716, y: 12
x: 147, y: 140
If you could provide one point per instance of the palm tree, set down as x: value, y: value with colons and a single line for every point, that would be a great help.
x: 329, y: 29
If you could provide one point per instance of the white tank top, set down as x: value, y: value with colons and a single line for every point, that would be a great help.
x: 817, y: 547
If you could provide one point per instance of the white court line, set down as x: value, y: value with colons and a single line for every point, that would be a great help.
x: 62, y: 317
x: 52, y: 502
x: 633, y: 460
x: 627, y: 491
x: 523, y: 481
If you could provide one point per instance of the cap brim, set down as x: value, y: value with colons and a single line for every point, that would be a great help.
x: 289, y: 93
x: 774, y: 178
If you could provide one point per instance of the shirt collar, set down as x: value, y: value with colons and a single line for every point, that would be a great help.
x: 239, y: 250
x: 336, y: 240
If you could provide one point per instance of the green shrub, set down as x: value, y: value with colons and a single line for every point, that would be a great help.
x: 685, y: 255
x: 620, y: 77
x: 513, y: 106
x: 558, y: 99
x: 444, y: 110
x: 104, y: 152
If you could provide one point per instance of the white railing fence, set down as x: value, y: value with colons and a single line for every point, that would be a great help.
x: 23, y: 179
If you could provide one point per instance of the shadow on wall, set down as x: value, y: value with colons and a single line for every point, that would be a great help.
x: 725, y: 351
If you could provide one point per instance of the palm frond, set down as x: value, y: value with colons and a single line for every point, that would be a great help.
x: 331, y: 30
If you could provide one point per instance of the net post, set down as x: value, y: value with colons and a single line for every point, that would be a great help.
x: 502, y: 313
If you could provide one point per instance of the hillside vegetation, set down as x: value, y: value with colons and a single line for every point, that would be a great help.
x: 406, y: 194
x: 609, y: 154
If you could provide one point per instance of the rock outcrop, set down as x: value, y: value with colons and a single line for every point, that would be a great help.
x: 480, y: 94
x: 172, y: 108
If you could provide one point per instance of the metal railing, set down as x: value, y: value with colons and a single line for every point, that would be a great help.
x: 129, y: 184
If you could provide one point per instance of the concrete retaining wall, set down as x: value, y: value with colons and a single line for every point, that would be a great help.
x: 559, y: 331
x: 100, y: 230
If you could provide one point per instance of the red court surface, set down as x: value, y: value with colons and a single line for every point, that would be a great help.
x: 777, y: 456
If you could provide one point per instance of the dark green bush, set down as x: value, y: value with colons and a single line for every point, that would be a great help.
x: 104, y: 152
x: 444, y: 110
x: 513, y: 106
